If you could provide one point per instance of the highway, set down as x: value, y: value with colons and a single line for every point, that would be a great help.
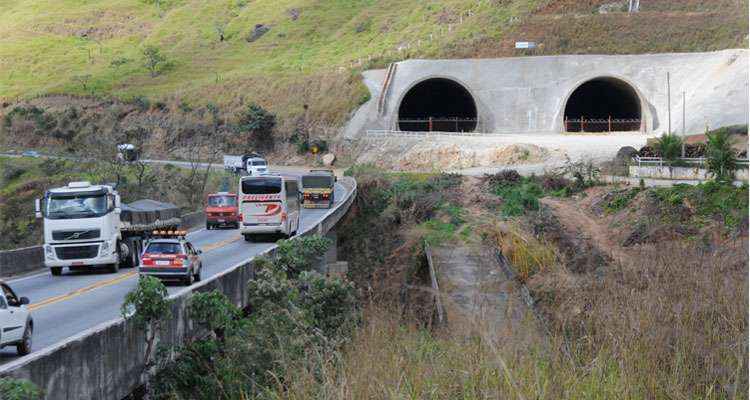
x: 65, y: 305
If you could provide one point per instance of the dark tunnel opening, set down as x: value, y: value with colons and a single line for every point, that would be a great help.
x: 437, y: 105
x: 603, y: 105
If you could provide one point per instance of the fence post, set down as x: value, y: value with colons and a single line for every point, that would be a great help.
x: 566, y: 123
x: 430, y: 124
x: 456, y: 124
x: 583, y: 124
x: 610, y: 123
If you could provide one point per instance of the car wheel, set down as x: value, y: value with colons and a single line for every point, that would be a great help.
x: 197, y: 276
x: 248, y: 238
x: 188, y: 280
x: 24, y: 347
x: 56, y: 271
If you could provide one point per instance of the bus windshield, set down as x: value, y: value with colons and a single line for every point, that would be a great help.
x: 222, y: 201
x: 261, y: 186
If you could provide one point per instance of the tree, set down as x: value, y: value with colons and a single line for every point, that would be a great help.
x: 670, y: 147
x: 258, y: 123
x: 147, y: 306
x: 153, y: 59
x: 720, y: 156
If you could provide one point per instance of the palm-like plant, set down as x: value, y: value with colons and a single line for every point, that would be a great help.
x: 669, y: 146
x: 720, y: 156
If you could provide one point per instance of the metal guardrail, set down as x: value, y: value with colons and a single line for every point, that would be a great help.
x: 389, y: 132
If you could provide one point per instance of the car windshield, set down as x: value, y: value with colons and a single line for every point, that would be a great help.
x: 261, y: 186
x: 316, y: 181
x: 164, y: 248
x: 222, y: 201
x: 76, y: 206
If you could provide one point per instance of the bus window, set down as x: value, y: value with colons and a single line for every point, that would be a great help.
x: 261, y: 186
x: 292, y: 195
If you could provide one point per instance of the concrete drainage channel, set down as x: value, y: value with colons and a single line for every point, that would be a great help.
x: 28, y: 259
x: 105, y: 362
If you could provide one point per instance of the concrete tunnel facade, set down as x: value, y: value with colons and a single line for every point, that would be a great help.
x: 544, y: 94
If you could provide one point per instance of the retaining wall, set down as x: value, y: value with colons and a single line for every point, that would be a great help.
x: 105, y: 361
x: 27, y: 259
x: 689, y: 173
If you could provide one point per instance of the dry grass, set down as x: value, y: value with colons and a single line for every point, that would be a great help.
x: 670, y: 325
x: 528, y: 255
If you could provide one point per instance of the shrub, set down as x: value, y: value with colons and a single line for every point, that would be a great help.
x: 295, y: 256
x: 18, y: 389
x: 506, y: 177
x: 520, y: 198
x: 720, y: 156
x: 259, y: 124
x: 670, y: 147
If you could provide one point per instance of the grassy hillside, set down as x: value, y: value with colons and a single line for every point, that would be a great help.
x: 314, y: 49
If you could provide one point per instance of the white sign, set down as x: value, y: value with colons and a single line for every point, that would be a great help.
x: 525, y: 45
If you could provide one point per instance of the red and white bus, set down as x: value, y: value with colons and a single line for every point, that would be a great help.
x: 269, y: 204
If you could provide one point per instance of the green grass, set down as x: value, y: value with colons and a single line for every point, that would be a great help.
x: 709, y: 200
x: 55, y: 46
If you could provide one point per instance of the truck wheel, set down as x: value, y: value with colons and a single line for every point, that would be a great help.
x: 114, y: 268
x: 248, y: 237
x: 208, y: 226
x: 24, y: 347
x: 56, y: 271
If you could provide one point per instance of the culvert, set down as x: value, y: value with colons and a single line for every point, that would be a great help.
x: 437, y: 104
x: 603, y: 105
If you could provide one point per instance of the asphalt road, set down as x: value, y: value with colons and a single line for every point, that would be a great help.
x: 63, y: 306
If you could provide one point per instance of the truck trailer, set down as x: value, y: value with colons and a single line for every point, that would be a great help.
x: 87, y: 225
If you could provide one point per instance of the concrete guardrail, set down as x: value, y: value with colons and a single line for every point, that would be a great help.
x: 105, y: 362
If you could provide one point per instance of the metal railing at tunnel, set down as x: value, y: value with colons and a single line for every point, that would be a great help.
x: 438, y: 124
x: 602, y: 125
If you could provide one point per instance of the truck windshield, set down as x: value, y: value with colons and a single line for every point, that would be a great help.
x: 222, y: 201
x: 261, y: 186
x: 258, y: 162
x: 316, y: 182
x: 66, y: 206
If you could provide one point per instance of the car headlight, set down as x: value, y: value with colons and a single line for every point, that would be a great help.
x: 104, y: 250
x: 49, y: 252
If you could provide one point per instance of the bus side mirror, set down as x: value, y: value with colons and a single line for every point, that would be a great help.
x: 38, y: 208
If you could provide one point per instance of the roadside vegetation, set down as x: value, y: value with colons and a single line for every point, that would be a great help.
x: 667, y: 321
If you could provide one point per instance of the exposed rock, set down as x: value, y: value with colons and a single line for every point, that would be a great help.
x: 293, y: 14
x: 329, y: 159
x: 257, y: 32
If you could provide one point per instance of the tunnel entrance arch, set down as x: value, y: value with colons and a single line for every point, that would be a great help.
x: 437, y: 104
x: 603, y: 104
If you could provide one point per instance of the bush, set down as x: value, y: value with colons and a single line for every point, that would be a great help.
x: 720, y: 156
x: 669, y: 146
x: 259, y: 124
x: 520, y: 198
x: 18, y: 389
x: 506, y: 177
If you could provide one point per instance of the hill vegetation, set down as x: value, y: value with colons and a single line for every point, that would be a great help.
x: 283, y: 54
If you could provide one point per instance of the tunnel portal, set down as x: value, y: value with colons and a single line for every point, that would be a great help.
x: 437, y: 104
x: 603, y: 105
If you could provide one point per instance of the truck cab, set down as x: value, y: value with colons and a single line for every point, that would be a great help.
x: 81, y: 226
x: 318, y: 189
x: 222, y: 210
x: 256, y: 166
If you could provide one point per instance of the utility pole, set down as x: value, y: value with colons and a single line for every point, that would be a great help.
x: 683, y: 124
x: 669, y: 107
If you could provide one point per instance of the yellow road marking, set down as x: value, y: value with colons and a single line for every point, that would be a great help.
x: 118, y: 279
x: 78, y: 292
x: 223, y: 243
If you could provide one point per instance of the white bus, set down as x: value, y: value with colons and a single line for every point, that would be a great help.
x: 269, y: 204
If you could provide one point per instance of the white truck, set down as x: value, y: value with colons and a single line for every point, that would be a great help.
x: 250, y: 164
x: 86, y: 226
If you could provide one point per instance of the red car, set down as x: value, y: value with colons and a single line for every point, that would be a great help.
x: 222, y: 210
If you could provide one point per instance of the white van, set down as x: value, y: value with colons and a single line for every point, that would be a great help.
x: 269, y: 204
